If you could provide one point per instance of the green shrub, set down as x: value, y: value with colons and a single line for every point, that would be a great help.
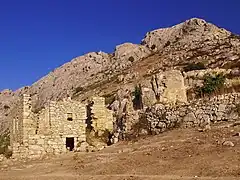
x: 137, y: 101
x: 193, y: 66
x: 212, y: 83
x: 137, y: 92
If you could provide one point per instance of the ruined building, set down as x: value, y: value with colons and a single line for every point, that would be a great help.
x: 60, y: 126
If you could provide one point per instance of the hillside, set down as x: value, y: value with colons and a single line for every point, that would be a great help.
x: 104, y: 74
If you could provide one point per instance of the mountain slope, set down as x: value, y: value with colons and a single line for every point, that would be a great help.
x: 99, y: 73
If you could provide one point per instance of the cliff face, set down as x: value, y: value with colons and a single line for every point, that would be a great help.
x: 100, y: 73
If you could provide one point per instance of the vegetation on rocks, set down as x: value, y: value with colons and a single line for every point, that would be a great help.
x: 211, y: 84
x: 137, y: 101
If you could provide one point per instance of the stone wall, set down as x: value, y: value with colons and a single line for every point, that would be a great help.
x: 102, y: 117
x: 164, y: 95
x: 46, y: 132
x: 16, y: 130
x: 198, y: 113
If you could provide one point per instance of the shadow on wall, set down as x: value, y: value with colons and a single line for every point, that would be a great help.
x: 4, y: 143
x: 137, y: 101
x: 94, y: 136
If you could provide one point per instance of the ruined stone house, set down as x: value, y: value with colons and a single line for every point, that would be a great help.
x: 60, y: 126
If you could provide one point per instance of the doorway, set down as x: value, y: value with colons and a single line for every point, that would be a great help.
x: 70, y: 143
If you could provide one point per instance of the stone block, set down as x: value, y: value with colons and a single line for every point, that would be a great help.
x: 40, y: 141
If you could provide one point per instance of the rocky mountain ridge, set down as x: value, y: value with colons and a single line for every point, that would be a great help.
x: 100, y: 73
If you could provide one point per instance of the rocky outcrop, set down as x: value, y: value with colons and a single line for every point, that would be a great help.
x: 192, y: 30
x: 165, y: 87
x: 131, y: 52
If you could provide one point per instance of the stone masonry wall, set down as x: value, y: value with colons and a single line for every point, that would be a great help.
x: 102, y: 117
x: 36, y: 134
x: 198, y: 113
x: 65, y: 128
x: 46, y: 132
x: 16, y: 130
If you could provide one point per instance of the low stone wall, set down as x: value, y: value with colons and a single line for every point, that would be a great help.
x: 193, y: 79
x: 198, y: 113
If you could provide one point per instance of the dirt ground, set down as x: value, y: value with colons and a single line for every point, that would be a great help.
x: 178, y: 154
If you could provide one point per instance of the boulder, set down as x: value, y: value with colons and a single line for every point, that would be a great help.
x: 131, y: 52
x: 228, y: 143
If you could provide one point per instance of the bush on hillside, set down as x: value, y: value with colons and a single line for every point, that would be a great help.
x: 211, y: 84
x: 137, y: 101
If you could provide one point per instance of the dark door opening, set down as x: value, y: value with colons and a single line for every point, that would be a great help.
x: 70, y: 143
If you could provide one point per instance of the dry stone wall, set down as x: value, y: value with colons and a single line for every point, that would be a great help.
x: 198, y: 113
x: 164, y: 98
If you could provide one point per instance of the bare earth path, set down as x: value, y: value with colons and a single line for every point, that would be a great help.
x: 178, y: 154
